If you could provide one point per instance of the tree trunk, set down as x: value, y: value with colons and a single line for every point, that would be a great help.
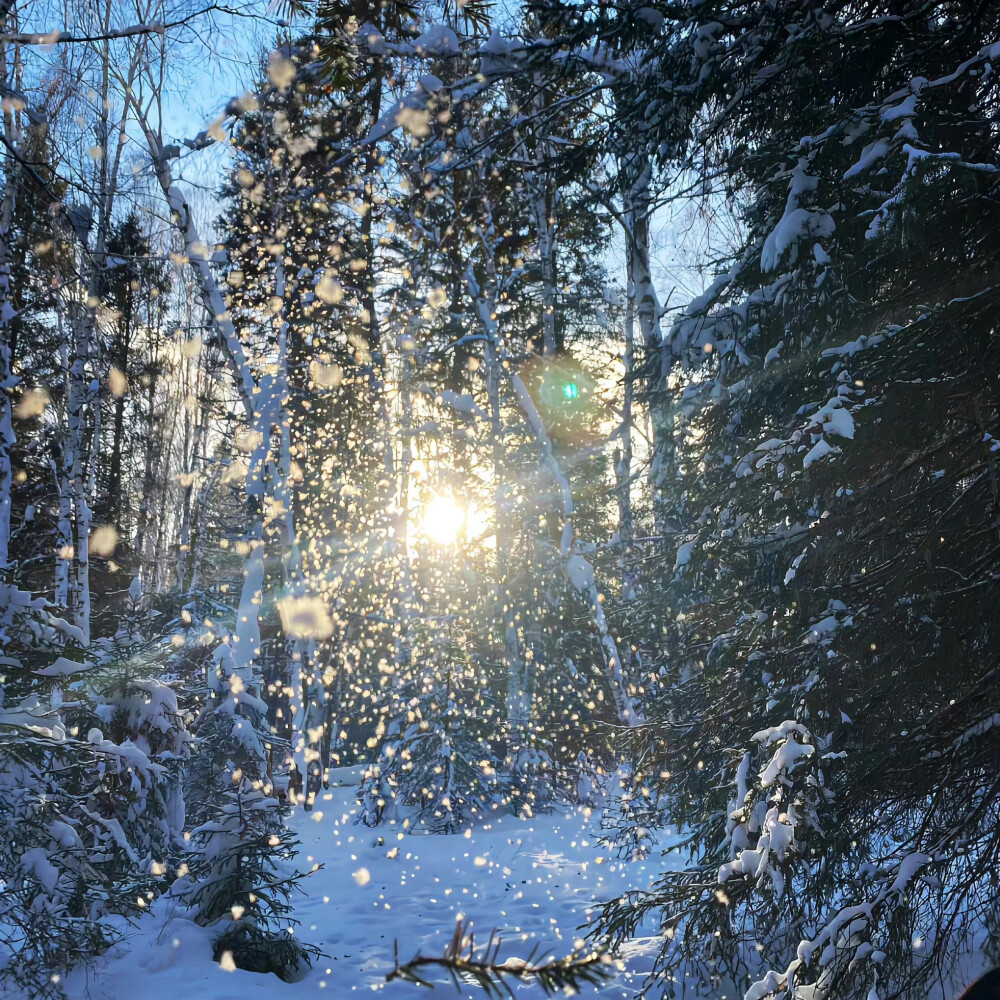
x: 543, y: 209
x: 78, y: 396
x: 636, y: 172
x: 518, y: 683
x: 623, y: 462
x: 7, y: 380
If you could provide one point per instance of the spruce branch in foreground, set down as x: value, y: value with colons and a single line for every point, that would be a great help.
x: 467, y: 966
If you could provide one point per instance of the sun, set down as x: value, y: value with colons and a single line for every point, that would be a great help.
x: 448, y: 521
x: 443, y: 519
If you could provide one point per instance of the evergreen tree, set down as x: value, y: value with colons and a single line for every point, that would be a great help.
x: 829, y: 688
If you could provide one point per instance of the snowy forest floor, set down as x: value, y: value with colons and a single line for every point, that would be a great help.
x: 531, y: 880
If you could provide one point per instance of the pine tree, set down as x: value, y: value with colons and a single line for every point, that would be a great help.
x: 240, y: 879
x: 829, y: 678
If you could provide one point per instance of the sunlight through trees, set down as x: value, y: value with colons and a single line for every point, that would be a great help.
x: 490, y: 444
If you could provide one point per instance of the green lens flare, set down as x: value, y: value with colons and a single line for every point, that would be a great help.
x: 570, y: 390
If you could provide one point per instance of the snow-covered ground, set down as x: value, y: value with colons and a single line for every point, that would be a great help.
x: 532, y: 880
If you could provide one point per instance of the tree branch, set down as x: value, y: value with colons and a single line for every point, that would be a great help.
x: 463, y: 963
x: 59, y: 37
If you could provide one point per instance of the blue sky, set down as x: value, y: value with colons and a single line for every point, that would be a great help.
x: 217, y: 58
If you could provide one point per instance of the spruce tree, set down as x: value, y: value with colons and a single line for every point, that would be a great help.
x: 825, y: 733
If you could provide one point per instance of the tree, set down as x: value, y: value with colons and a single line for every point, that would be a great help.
x: 835, y: 484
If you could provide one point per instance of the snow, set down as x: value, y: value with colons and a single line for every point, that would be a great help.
x: 906, y: 108
x: 771, y: 984
x: 785, y: 758
x: 909, y: 867
x: 701, y: 302
x: 36, y: 862
x: 438, y: 40
x: 64, y: 835
x: 532, y: 880
x: 63, y: 666
x: 305, y: 617
x: 777, y: 837
x: 373, y: 39
x: 819, y: 450
x: 684, y: 553
x: 579, y: 572
x: 864, y: 342
x: 650, y: 16
x: 69, y: 630
x: 706, y: 38
x: 126, y: 755
x: 30, y: 714
x: 430, y: 83
x: 870, y: 155
x: 796, y: 563
x: 495, y: 53
x: 824, y: 630
x: 797, y: 222
x: 246, y: 640
x: 463, y: 402
x: 409, y: 112
x: 794, y: 226
x: 789, y: 751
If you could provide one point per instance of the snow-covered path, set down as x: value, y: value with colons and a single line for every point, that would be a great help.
x: 533, y: 880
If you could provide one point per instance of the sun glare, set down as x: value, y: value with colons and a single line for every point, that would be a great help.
x: 443, y: 520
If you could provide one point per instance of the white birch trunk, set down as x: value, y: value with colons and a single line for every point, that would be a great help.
x: 64, y: 526
x: 198, y: 256
x: 642, y: 301
x: 518, y: 679
x: 623, y: 461
x: 260, y: 417
x: 543, y: 207
x: 578, y: 570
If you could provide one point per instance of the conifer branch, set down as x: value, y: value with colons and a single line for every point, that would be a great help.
x: 468, y: 965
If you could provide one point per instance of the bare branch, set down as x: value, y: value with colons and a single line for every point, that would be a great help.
x: 59, y: 37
